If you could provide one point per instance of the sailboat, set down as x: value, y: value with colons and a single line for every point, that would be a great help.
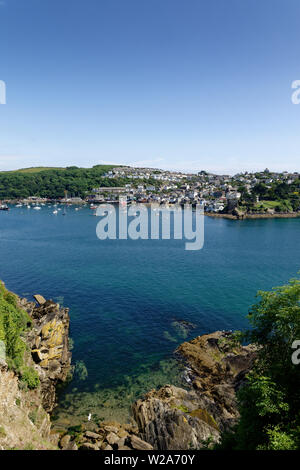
x: 4, y: 207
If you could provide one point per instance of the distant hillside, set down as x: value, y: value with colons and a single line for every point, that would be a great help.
x: 36, y: 169
x: 53, y: 182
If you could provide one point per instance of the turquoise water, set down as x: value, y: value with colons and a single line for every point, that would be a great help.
x: 126, y: 296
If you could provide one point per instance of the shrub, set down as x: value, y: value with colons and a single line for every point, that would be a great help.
x: 30, y: 377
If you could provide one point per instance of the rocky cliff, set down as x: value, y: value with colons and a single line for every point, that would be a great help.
x: 49, y: 344
x: 24, y: 412
x: 174, y: 418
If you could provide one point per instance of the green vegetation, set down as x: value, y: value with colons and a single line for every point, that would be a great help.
x: 269, y: 402
x: 232, y: 342
x: 52, y: 182
x: 13, y: 322
x: 30, y: 377
x: 279, y: 196
x: 181, y: 408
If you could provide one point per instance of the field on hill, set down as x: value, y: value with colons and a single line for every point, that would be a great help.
x: 36, y: 169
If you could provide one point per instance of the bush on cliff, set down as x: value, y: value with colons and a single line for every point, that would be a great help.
x: 269, y: 403
x: 30, y: 377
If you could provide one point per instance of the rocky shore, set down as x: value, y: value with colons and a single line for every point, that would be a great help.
x: 236, y: 215
x: 174, y: 418
x: 170, y: 418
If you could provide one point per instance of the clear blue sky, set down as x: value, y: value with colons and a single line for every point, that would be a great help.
x: 180, y: 84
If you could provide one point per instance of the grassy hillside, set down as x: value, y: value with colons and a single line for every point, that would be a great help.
x: 36, y: 169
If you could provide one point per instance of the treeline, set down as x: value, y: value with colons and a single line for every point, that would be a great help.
x: 52, y: 183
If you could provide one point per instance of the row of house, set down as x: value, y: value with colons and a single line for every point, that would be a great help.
x: 215, y: 192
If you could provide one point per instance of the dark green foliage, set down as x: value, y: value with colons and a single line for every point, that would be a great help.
x: 286, y: 195
x: 51, y: 183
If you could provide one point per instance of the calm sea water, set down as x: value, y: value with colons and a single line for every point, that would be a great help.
x: 126, y: 297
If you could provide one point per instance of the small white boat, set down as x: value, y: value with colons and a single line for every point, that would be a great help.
x: 28, y: 207
x: 55, y: 212
x: 37, y: 208
x: 19, y: 205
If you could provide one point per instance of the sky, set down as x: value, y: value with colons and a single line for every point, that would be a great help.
x: 174, y: 84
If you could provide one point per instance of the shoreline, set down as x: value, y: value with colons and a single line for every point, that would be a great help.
x: 278, y: 215
x: 283, y: 215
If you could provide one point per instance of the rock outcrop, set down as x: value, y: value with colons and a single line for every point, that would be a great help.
x: 108, y: 436
x: 49, y: 344
x: 174, y: 418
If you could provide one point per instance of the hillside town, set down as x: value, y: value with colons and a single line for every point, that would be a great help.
x: 259, y: 192
x: 217, y: 193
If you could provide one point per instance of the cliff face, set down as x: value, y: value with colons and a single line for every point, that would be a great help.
x: 49, y: 344
x: 24, y: 424
x: 174, y: 418
x: 24, y: 419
